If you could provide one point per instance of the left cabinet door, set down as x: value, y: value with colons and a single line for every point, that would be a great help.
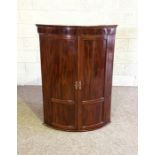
x: 59, y: 73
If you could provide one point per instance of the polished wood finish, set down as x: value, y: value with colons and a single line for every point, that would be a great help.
x: 76, y: 64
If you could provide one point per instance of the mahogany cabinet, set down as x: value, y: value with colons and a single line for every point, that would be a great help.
x: 76, y: 65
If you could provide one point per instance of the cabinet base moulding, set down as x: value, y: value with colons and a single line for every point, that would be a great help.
x: 78, y: 130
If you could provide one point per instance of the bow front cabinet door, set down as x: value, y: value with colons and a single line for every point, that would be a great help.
x: 76, y: 65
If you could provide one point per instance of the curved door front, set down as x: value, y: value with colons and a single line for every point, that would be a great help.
x: 91, y: 76
x: 63, y: 73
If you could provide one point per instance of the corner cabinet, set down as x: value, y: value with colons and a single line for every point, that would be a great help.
x: 76, y: 64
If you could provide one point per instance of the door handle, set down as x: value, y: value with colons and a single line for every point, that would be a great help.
x: 78, y: 85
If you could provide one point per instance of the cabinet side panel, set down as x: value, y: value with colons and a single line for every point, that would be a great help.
x: 45, y: 67
x: 108, y: 76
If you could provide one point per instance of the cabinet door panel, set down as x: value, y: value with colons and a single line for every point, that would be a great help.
x: 63, y: 113
x: 91, y: 112
x: 92, y: 71
x: 63, y: 74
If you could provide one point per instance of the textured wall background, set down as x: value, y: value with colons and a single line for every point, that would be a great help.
x: 77, y: 12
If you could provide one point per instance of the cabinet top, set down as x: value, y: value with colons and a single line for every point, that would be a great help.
x: 77, y: 30
x: 76, y: 26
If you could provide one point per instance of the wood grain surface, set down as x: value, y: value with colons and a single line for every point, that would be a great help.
x: 77, y: 65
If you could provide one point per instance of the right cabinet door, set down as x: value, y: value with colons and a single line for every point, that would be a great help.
x: 92, y: 55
